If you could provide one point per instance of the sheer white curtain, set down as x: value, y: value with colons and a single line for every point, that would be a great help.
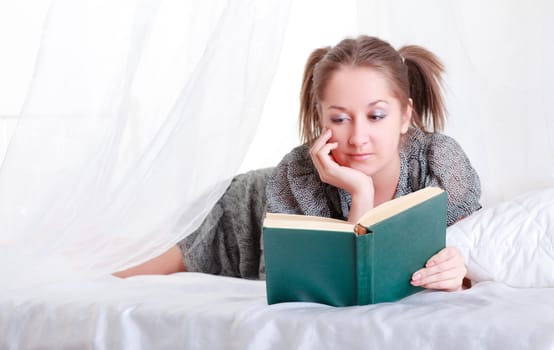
x: 498, y: 57
x: 137, y: 116
x: 131, y: 102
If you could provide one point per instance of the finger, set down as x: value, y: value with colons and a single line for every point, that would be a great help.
x: 443, y: 255
x: 446, y: 280
x: 321, y: 141
x: 436, y: 263
x: 441, y: 280
x: 453, y: 273
x: 322, y: 160
x: 324, y: 155
x: 452, y: 263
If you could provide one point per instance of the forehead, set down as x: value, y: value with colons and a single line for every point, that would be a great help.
x: 351, y: 84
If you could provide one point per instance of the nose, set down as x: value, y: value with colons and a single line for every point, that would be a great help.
x: 359, y: 134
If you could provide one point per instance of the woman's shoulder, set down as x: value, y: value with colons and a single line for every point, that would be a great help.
x: 297, y: 163
x: 435, y: 159
x: 418, y: 141
x: 433, y: 151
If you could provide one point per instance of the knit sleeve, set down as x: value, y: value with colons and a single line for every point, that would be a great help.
x: 280, y: 195
x: 295, y: 187
x: 450, y: 169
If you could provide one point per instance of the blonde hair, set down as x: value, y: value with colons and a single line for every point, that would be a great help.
x: 412, y: 71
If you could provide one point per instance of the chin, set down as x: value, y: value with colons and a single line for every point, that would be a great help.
x: 368, y: 170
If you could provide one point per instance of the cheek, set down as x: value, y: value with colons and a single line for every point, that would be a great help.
x: 392, y: 143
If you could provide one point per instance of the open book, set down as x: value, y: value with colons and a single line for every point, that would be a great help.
x: 339, y: 263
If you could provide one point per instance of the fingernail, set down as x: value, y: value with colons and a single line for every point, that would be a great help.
x: 416, y: 277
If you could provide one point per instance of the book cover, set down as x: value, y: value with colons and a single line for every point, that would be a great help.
x: 338, y: 263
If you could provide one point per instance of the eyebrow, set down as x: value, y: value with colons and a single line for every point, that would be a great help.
x: 371, y: 104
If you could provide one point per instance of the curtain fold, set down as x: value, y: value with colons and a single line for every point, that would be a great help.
x: 138, y: 115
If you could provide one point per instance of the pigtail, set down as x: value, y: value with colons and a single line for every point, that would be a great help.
x: 424, y: 76
x: 308, y: 118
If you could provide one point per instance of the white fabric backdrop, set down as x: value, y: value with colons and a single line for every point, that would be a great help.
x: 498, y: 56
x: 130, y: 133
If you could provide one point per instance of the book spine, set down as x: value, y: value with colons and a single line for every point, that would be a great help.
x: 364, y: 264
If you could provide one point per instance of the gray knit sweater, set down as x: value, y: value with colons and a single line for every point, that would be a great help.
x: 228, y: 242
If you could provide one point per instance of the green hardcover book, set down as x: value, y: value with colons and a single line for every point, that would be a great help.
x: 339, y: 263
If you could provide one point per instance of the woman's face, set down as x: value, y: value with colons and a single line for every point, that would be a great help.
x: 365, y: 118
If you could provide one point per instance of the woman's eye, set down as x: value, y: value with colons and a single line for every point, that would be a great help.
x: 339, y: 119
x: 377, y: 116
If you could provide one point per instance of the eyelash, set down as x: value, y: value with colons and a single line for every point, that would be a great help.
x: 377, y: 116
x: 342, y: 118
x: 339, y: 119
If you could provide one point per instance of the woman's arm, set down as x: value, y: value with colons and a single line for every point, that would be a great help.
x: 359, y: 185
x: 167, y: 263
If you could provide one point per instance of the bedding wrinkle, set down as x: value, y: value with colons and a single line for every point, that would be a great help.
x: 202, y: 311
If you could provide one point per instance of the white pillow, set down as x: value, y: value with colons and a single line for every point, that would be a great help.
x: 512, y: 242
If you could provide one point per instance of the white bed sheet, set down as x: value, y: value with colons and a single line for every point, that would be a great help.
x: 512, y: 242
x: 198, y: 311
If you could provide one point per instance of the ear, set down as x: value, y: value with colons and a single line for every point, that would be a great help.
x: 406, y: 117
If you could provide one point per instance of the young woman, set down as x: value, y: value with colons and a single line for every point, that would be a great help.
x: 370, y: 119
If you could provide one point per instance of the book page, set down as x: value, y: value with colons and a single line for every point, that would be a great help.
x: 306, y: 222
x: 398, y: 205
x: 377, y: 214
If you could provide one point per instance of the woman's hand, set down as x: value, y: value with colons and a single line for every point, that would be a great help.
x: 358, y: 184
x: 445, y: 270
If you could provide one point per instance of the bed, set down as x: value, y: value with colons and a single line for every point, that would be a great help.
x: 509, y: 250
x: 152, y: 84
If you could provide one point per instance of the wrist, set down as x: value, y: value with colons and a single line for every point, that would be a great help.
x: 360, y: 205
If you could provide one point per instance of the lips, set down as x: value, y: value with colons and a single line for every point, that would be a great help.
x: 360, y: 156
